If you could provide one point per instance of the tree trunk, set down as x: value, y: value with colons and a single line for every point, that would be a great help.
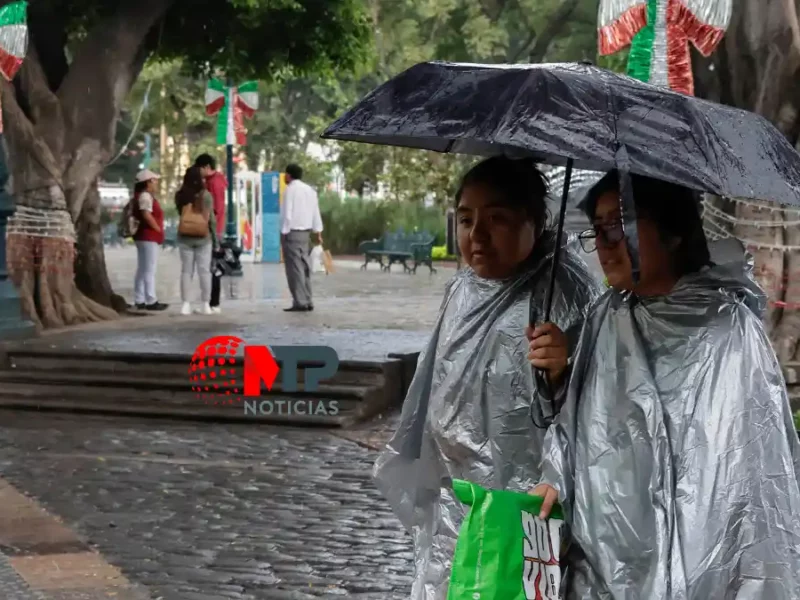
x: 91, y: 275
x: 756, y: 68
x: 60, y: 124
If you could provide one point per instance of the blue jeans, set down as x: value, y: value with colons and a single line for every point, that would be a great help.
x: 145, y: 281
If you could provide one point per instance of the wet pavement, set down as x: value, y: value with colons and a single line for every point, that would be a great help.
x: 153, y: 336
x: 203, y: 512
x: 264, y: 285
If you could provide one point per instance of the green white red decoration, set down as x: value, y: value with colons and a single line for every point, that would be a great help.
x: 230, y: 123
x: 13, y: 41
x: 659, y: 32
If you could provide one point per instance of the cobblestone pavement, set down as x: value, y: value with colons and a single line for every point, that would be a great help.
x: 197, y: 512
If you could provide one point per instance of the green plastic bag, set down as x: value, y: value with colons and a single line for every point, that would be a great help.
x: 504, y: 551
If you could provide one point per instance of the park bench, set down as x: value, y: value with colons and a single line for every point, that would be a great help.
x: 399, y: 247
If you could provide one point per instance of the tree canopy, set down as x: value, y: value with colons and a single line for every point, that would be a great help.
x: 295, y: 109
x: 261, y: 39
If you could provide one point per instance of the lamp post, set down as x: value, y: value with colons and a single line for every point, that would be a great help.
x: 230, y: 226
x: 12, y: 324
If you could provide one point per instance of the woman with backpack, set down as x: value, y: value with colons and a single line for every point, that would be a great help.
x: 196, y: 237
x: 148, y: 236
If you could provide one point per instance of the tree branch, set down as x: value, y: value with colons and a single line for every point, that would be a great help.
x: 99, y: 80
x: 22, y: 136
x: 102, y: 73
x: 48, y: 35
x: 555, y: 23
x: 43, y: 105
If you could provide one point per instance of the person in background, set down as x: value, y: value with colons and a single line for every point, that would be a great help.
x: 299, y: 217
x: 148, y: 238
x: 195, y: 250
x: 217, y: 186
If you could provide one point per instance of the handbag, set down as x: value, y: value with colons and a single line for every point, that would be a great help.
x: 193, y: 224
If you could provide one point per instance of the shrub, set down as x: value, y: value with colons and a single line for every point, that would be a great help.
x: 353, y: 220
x: 440, y: 253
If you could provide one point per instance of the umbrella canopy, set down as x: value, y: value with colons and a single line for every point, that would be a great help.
x: 598, y: 119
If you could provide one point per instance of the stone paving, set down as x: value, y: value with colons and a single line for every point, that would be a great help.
x: 348, y: 297
x: 202, y: 512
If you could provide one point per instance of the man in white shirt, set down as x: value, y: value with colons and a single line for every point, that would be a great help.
x: 299, y: 217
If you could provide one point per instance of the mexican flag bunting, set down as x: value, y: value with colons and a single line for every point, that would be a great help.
x: 659, y: 32
x: 13, y: 38
x: 215, y: 96
x: 13, y: 41
x: 247, y: 98
x: 230, y: 123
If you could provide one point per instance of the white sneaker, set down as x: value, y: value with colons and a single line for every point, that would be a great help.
x: 216, y: 310
x: 207, y: 310
x: 186, y: 309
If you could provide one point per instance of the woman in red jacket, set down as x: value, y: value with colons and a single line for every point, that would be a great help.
x: 148, y: 238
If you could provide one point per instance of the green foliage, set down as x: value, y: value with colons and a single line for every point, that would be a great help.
x: 797, y: 420
x: 353, y: 220
x: 440, y: 253
x: 296, y: 107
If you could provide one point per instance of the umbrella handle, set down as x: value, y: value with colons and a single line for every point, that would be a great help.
x: 545, y: 421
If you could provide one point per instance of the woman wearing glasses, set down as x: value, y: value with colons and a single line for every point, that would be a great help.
x: 468, y: 411
x: 675, y: 454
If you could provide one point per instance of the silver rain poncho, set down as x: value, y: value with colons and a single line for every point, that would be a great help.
x: 467, y: 412
x: 675, y: 454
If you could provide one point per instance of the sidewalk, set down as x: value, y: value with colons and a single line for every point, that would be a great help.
x: 42, y: 559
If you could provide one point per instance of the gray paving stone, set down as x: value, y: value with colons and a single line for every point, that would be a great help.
x: 239, y: 520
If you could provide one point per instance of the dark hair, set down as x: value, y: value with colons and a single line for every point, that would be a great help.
x: 518, y: 182
x: 139, y: 187
x: 205, y: 160
x: 295, y: 171
x: 191, y: 191
x: 674, y: 209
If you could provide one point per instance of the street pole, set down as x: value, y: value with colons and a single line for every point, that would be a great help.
x: 230, y: 226
x: 12, y: 324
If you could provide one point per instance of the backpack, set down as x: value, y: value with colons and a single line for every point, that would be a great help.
x: 128, y: 223
x: 193, y: 224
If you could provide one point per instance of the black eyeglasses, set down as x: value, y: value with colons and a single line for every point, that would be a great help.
x: 610, y: 235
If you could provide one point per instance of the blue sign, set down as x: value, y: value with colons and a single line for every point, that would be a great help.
x: 270, y: 217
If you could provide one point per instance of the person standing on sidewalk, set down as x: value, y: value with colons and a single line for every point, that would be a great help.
x: 216, y: 185
x: 299, y: 217
x: 197, y: 237
x: 148, y: 238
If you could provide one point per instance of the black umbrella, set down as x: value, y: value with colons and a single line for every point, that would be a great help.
x: 582, y: 116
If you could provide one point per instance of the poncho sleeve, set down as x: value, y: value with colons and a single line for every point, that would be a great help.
x: 557, y: 464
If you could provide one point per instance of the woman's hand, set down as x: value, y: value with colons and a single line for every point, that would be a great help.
x: 548, y: 350
x: 550, y: 495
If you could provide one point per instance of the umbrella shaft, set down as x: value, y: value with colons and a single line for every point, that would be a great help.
x: 559, y: 240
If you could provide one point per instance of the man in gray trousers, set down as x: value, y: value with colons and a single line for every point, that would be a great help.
x: 299, y: 217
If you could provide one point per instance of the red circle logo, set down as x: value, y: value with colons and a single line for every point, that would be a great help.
x: 214, y: 372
